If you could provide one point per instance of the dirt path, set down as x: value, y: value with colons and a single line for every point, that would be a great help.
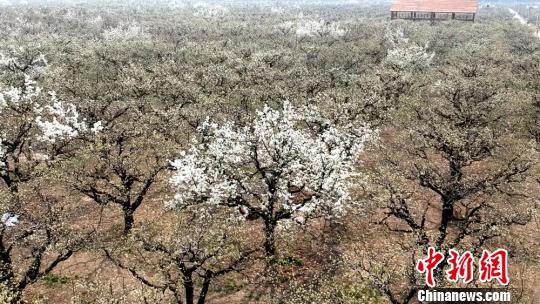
x: 517, y: 16
x: 522, y: 20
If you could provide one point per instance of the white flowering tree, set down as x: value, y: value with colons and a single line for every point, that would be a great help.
x: 288, y: 166
x: 304, y: 27
x: 404, y: 55
x: 206, y: 10
x: 36, y: 128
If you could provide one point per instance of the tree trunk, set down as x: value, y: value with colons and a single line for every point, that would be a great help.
x: 446, y: 216
x: 11, y: 184
x: 128, y: 219
x: 188, y: 287
x: 269, y: 241
x: 204, y: 290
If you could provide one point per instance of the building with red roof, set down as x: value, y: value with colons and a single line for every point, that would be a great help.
x: 434, y: 10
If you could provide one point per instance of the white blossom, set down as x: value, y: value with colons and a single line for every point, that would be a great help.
x: 305, y: 27
x: 4, y: 60
x: 54, y: 119
x: 409, y: 57
x: 97, y: 127
x: 403, y: 54
x: 3, y: 102
x: 276, y: 160
x: 277, y: 10
x: 206, y: 10
x: 396, y: 37
x: 2, y: 155
x: 64, y: 121
x: 319, y: 28
x: 9, y: 220
x: 125, y: 32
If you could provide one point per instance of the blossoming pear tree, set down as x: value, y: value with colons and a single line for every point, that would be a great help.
x: 404, y: 55
x: 288, y: 166
x: 35, y: 125
x: 36, y: 128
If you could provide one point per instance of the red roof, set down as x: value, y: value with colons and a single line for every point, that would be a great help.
x: 436, y: 6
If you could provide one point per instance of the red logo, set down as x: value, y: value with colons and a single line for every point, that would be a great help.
x: 491, y: 266
x: 494, y: 266
x: 429, y: 264
x: 461, y: 267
